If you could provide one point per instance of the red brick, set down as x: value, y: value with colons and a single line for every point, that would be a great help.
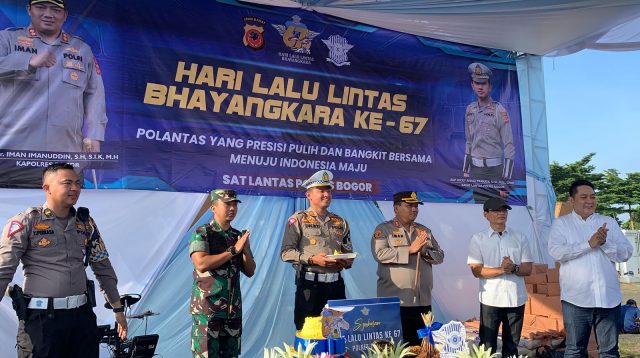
x: 535, y: 278
x: 553, y: 275
x: 542, y: 305
x: 553, y: 289
x: 540, y: 288
x: 540, y: 268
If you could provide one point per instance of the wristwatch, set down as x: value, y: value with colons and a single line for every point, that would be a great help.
x: 232, y: 250
x: 516, y: 268
x: 118, y: 309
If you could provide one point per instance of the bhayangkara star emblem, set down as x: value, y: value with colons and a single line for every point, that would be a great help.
x: 338, y: 48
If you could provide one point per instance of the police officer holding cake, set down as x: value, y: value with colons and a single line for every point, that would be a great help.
x: 310, y: 237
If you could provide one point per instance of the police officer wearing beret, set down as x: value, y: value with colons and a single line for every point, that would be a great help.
x: 311, y: 235
x: 489, y: 149
x: 219, y: 253
x: 51, y: 91
x: 405, y: 251
x: 55, y: 242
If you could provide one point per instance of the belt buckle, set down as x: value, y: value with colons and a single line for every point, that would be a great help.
x: 309, y: 276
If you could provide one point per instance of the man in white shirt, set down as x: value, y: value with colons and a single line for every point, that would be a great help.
x: 500, y: 257
x: 587, y: 244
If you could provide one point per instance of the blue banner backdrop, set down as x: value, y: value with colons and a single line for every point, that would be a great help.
x: 203, y: 94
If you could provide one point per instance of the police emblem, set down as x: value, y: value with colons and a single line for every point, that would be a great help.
x: 296, y: 35
x: 43, y: 242
x: 74, y: 76
x: 414, y: 196
x: 338, y: 48
x: 478, y: 70
x: 377, y: 234
x: 325, y: 177
x: 253, y: 32
x: 313, y: 241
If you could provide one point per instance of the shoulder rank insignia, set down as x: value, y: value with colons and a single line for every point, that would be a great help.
x: 65, y: 37
x: 14, y: 228
x: 396, y: 223
x: 48, y: 213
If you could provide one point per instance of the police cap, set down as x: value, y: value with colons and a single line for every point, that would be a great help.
x: 59, y: 3
x: 409, y: 197
x: 224, y: 195
x: 479, y: 72
x: 319, y: 178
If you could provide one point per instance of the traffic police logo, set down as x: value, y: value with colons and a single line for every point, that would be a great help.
x: 297, y: 37
x: 253, y: 32
x: 43, y: 242
x: 338, y: 48
x: 15, y: 228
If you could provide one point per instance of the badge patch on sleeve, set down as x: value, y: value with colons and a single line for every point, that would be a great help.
x: 15, y: 228
x: 377, y: 234
x: 292, y: 221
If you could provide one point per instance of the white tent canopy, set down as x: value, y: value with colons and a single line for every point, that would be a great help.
x: 541, y: 27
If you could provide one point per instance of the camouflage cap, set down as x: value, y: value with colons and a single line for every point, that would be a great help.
x: 225, y: 195
x: 479, y: 72
x: 409, y: 197
x: 59, y: 3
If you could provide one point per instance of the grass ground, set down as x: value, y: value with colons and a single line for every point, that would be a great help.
x: 630, y: 343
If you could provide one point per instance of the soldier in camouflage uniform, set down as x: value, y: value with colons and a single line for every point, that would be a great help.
x: 489, y: 149
x: 219, y: 253
x: 309, y: 237
x: 52, y: 242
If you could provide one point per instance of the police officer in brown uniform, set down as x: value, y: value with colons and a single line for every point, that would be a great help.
x: 54, y: 241
x: 309, y: 237
x: 405, y: 251
x: 489, y: 149
x: 52, y: 96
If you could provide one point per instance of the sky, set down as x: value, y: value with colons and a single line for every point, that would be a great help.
x: 593, y: 105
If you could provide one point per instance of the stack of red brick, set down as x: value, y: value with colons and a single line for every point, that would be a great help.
x: 543, y: 311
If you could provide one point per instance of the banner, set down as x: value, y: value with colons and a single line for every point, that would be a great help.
x: 369, y: 320
x: 201, y: 95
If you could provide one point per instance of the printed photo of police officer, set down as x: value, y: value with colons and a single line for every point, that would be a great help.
x: 52, y: 96
x: 489, y: 149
